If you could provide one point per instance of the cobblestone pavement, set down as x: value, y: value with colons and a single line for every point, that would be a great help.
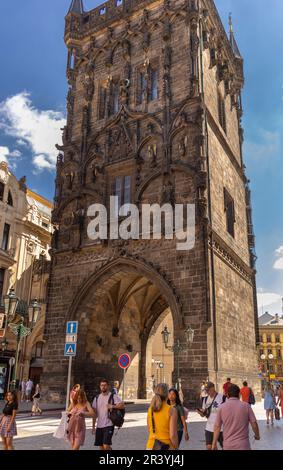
x: 37, y: 433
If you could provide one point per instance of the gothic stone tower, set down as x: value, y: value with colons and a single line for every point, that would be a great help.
x: 154, y: 116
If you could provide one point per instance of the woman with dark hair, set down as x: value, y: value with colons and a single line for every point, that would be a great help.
x: 78, y: 411
x: 161, y: 422
x: 8, y: 428
x: 174, y: 400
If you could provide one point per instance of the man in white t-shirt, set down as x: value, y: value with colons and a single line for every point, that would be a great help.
x: 209, y: 410
x: 104, y: 429
x: 29, y: 387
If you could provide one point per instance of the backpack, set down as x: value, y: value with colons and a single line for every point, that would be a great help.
x: 251, y: 398
x: 117, y: 417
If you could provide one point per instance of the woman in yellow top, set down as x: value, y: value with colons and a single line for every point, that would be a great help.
x: 161, y: 421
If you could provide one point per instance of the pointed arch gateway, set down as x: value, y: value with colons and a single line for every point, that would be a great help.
x: 117, y: 308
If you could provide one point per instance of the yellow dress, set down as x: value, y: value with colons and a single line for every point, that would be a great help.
x: 162, y: 426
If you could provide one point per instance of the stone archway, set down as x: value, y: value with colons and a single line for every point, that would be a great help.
x: 117, y: 308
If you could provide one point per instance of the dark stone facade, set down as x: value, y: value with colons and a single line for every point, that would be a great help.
x: 145, y: 82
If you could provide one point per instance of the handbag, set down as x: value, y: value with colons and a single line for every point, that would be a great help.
x: 158, y: 445
x: 277, y: 414
x: 61, y: 431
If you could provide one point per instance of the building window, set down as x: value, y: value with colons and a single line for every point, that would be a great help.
x: 102, y: 102
x: 10, y: 199
x: 39, y: 349
x: 222, y: 112
x: 279, y: 355
x: 269, y: 351
x: 277, y: 339
x: 122, y: 187
x: 2, y: 277
x: 230, y: 213
x: 153, y: 84
x: 142, y: 87
x: 261, y: 338
x: 5, y: 240
x: 261, y: 352
x: 2, y: 189
x: 115, y: 97
x: 268, y: 338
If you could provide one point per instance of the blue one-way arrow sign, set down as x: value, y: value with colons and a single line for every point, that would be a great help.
x: 72, y: 327
x: 70, y: 349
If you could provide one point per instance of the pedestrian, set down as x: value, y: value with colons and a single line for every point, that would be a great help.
x: 246, y: 393
x: 78, y: 410
x: 74, y: 391
x: 116, y: 387
x: 8, y: 428
x: 29, y: 387
x: 102, y: 405
x: 280, y: 399
x: 162, y: 422
x: 235, y: 416
x: 203, y: 393
x: 225, y: 387
x: 209, y: 410
x: 23, y: 390
x: 182, y: 428
x: 269, y: 403
x: 36, y: 398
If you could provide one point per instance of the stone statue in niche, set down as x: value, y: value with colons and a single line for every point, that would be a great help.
x: 70, y: 180
x: 182, y: 147
x: 152, y: 154
x: 22, y: 184
x: 124, y: 90
x: 168, y: 193
x: 126, y: 50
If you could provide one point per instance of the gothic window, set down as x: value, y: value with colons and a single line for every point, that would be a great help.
x: 115, y: 97
x: 38, y: 350
x: 122, y: 187
x: 212, y: 57
x: 5, y: 239
x: 10, y: 199
x: 72, y: 60
x: 230, y: 213
x: 119, y: 3
x: 153, y: 83
x: 102, y: 102
x: 142, y: 86
x: 2, y: 276
x: 261, y: 338
x: 222, y: 113
x: 279, y: 355
x: 268, y: 339
x: 277, y: 338
x: 2, y: 189
x: 269, y: 351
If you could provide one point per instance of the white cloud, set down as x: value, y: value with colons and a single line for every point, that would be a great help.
x: 21, y: 142
x: 4, y: 153
x: 39, y: 129
x: 278, y: 264
x: 15, y: 154
x: 279, y: 250
x: 42, y: 163
x: 269, y: 301
x: 268, y: 144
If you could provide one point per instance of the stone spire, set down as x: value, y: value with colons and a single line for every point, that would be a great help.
x: 77, y: 6
x: 233, y: 42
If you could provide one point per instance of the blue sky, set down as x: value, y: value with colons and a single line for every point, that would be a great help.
x: 33, y: 91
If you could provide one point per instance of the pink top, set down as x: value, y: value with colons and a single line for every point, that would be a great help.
x: 235, y: 416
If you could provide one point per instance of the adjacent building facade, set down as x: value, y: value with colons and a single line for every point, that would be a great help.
x: 25, y: 236
x: 154, y: 116
x: 270, y: 352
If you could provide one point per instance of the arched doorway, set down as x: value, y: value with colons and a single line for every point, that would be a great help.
x: 117, y: 309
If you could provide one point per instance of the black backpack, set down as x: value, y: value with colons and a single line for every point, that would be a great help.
x: 117, y: 417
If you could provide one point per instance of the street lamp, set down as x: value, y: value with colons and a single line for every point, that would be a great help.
x: 178, y: 347
x: 10, y: 305
x: 21, y: 331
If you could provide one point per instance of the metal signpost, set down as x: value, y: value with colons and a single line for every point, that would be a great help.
x: 70, y: 351
x: 124, y: 362
x: 12, y: 362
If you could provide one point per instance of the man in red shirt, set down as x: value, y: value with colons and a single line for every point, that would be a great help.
x: 245, y: 392
x: 225, y: 387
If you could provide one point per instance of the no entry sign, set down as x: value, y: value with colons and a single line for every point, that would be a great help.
x: 124, y: 361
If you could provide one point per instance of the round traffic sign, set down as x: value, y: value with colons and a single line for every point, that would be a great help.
x: 124, y: 361
x: 12, y: 361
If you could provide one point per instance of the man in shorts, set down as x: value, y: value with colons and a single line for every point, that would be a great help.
x: 209, y: 410
x: 104, y: 428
